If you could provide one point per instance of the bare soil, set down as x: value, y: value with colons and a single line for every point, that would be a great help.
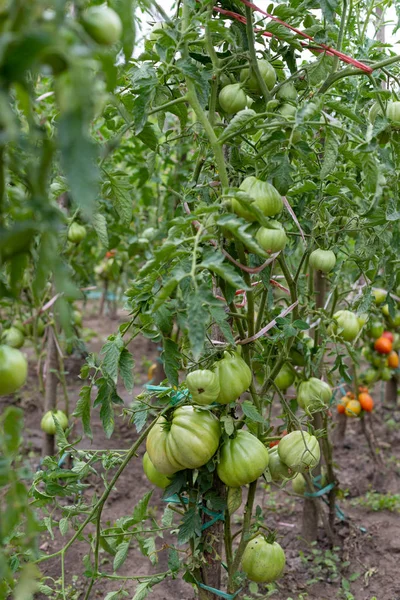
x: 365, y: 562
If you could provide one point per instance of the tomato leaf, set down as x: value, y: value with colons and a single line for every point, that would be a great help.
x: 331, y: 154
x: 234, y: 500
x: 126, y: 365
x: 214, y: 261
x: 82, y: 409
x: 196, y: 321
x: 251, y: 412
x: 121, y: 555
x: 171, y: 358
x: 190, y: 526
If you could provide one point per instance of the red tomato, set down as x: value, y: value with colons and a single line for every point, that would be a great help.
x: 383, y: 345
x: 389, y: 335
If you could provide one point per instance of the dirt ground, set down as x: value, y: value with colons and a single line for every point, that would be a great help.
x: 364, y: 566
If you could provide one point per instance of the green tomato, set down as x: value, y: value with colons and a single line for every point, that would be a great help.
x: 386, y: 374
x: 234, y: 377
x: 157, y: 30
x: 272, y: 240
x: 396, y: 341
x: 313, y: 395
x: 375, y: 329
x: 77, y: 318
x: 374, y: 111
x: 40, y: 328
x: 187, y: 441
x: 348, y: 326
x: 76, y: 233
x: 203, y: 385
x: 263, y: 562
x: 385, y: 310
x: 278, y: 470
x: 287, y: 92
x: 299, y: 451
x: 297, y: 357
x: 393, y: 112
x: 20, y: 326
x: 378, y: 360
x: 285, y: 377
x: 267, y: 72
x: 322, y: 260
x: 299, y: 484
x: 13, y: 370
x: 102, y: 24
x: 153, y: 475
x: 13, y: 337
x: 47, y: 423
x: 232, y: 98
x: 379, y: 295
x: 370, y: 376
x: 242, y: 459
x: 396, y: 321
x: 287, y: 110
x: 266, y: 198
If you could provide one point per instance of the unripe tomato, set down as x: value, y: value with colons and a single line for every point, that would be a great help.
x: 299, y: 451
x: 266, y: 198
x: 383, y: 345
x: 370, y: 376
x: 299, y: 484
x: 47, y: 423
x: 386, y: 374
x: 367, y: 353
x: 374, y: 111
x: 287, y: 92
x: 187, y: 441
x: 353, y: 408
x: 13, y: 370
x: 385, y: 310
x: 20, y: 326
x: 203, y: 385
x: 77, y: 318
x: 393, y: 112
x: 232, y: 98
x: 285, y: 377
x: 348, y: 326
x: 156, y: 30
x: 278, y: 470
x: 263, y: 562
x: 242, y: 459
x: 234, y: 377
x: 102, y: 24
x: 395, y: 322
x: 387, y: 334
x: 267, y: 72
x: 362, y: 319
x: 287, y: 110
x: 366, y: 402
x: 76, y: 233
x: 375, y: 329
x: 313, y: 395
x: 393, y: 360
x: 153, y: 475
x: 272, y: 240
x: 322, y: 260
x: 379, y: 295
x: 396, y: 341
x: 13, y: 337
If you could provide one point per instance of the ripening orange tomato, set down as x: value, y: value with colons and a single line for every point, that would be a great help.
x: 366, y: 402
x: 362, y: 389
x: 343, y: 402
x: 353, y: 408
x: 393, y: 360
x: 383, y: 345
x: 350, y: 395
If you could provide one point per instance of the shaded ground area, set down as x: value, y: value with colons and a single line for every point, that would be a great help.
x: 364, y: 566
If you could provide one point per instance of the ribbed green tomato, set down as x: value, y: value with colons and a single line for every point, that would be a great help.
x: 13, y: 337
x: 234, y: 377
x: 47, y: 423
x: 287, y: 92
x: 102, y: 24
x: 322, y: 260
x: 263, y: 562
x: 232, y: 98
x: 287, y: 110
x: 278, y: 470
x: 313, y: 394
x: 203, y: 385
x: 242, y: 459
x: 267, y: 72
x: 272, y: 240
x: 13, y: 370
x: 76, y: 233
x: 393, y: 112
x: 375, y: 329
x: 299, y: 451
x: 285, y: 377
x: 266, y: 198
x: 348, y: 326
x: 187, y: 441
x: 153, y: 475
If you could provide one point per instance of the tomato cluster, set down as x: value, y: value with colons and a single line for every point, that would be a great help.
x: 353, y: 407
